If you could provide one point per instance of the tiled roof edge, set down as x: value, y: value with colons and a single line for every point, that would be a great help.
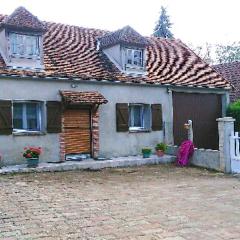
x: 92, y: 80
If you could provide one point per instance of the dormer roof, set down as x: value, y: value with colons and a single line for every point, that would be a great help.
x: 23, y: 19
x: 126, y: 36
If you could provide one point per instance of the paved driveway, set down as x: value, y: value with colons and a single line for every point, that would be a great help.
x: 156, y: 202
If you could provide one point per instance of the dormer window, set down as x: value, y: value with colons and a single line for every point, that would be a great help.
x: 126, y: 48
x: 134, y: 57
x: 23, y: 45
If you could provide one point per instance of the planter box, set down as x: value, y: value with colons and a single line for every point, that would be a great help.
x: 32, y: 162
x: 146, y: 155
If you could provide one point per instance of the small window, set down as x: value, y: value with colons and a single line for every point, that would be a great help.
x: 135, y: 57
x: 26, y: 116
x: 139, y: 116
x: 24, y: 45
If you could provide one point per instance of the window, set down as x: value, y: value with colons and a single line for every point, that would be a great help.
x: 139, y: 116
x: 24, y: 45
x: 136, y: 116
x: 134, y: 57
x: 26, y: 116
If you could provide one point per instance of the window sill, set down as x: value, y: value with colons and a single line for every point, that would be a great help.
x: 28, y: 133
x: 139, y: 130
x: 30, y: 57
x: 134, y: 71
x: 135, y: 67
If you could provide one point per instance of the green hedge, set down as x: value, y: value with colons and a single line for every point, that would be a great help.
x: 233, y: 110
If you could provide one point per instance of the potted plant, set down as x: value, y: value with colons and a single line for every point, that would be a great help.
x: 32, y: 155
x: 160, y: 149
x: 146, y: 152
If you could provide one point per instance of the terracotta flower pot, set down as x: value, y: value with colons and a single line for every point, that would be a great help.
x: 159, y: 153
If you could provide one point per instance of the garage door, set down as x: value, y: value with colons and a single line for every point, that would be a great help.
x: 77, y: 131
x: 203, y: 110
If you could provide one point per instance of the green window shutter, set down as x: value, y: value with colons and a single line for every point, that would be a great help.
x: 5, y: 117
x: 122, y: 117
x: 157, y: 122
x: 54, y: 117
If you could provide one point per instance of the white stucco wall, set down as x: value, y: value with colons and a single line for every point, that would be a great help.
x: 112, y: 143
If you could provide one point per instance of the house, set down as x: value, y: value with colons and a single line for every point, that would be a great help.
x: 74, y: 90
x: 231, y: 72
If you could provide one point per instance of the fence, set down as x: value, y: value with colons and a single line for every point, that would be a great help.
x: 234, y: 146
x: 235, y: 152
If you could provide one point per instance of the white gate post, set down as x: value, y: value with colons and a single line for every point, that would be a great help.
x: 225, y: 129
x: 190, y: 130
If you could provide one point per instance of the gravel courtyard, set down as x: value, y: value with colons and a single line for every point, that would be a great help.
x: 152, y: 202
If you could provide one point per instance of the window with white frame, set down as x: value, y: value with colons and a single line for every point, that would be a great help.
x: 139, y: 116
x: 24, y: 45
x: 26, y: 116
x: 134, y: 57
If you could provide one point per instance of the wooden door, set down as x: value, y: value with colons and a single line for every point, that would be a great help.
x: 203, y: 110
x: 77, y: 130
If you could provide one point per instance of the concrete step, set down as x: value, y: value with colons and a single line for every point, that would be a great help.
x: 90, y: 164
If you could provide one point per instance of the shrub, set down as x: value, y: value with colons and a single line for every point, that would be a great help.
x: 233, y: 111
x: 161, y: 146
x: 146, y: 151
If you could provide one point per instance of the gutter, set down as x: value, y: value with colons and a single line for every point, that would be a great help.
x: 113, y: 82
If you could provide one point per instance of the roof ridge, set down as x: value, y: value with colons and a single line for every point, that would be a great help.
x: 76, y: 26
x: 22, y: 18
x: 59, y: 23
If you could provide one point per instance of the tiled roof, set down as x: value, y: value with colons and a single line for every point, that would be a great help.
x: 71, y: 52
x: 22, y: 18
x: 73, y: 97
x: 231, y: 72
x: 126, y: 35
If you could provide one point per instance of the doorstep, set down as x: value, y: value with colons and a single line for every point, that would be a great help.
x: 89, y: 164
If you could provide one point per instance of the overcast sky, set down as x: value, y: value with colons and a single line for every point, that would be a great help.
x: 195, y: 21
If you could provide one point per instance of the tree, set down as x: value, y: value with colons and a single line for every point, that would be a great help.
x: 163, y: 25
x: 205, y: 52
x: 228, y: 53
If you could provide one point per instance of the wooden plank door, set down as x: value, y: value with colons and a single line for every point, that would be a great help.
x: 203, y: 110
x: 77, y: 130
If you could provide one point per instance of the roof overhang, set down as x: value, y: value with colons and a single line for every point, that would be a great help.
x: 82, y: 98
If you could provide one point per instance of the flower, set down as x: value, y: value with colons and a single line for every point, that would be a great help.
x: 32, y: 152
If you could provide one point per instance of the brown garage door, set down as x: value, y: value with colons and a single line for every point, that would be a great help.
x: 77, y: 131
x: 203, y: 110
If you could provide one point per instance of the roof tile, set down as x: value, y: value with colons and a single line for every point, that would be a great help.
x: 231, y: 72
x: 71, y: 52
x: 22, y: 18
x: 73, y: 97
x: 126, y: 35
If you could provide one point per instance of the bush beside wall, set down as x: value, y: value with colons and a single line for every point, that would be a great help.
x: 233, y: 111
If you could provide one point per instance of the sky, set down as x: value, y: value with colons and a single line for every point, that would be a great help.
x: 194, y: 21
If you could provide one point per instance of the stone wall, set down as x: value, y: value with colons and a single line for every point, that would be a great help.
x: 206, y: 158
x: 219, y: 160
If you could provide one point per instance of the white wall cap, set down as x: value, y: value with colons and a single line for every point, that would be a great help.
x: 226, y: 119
